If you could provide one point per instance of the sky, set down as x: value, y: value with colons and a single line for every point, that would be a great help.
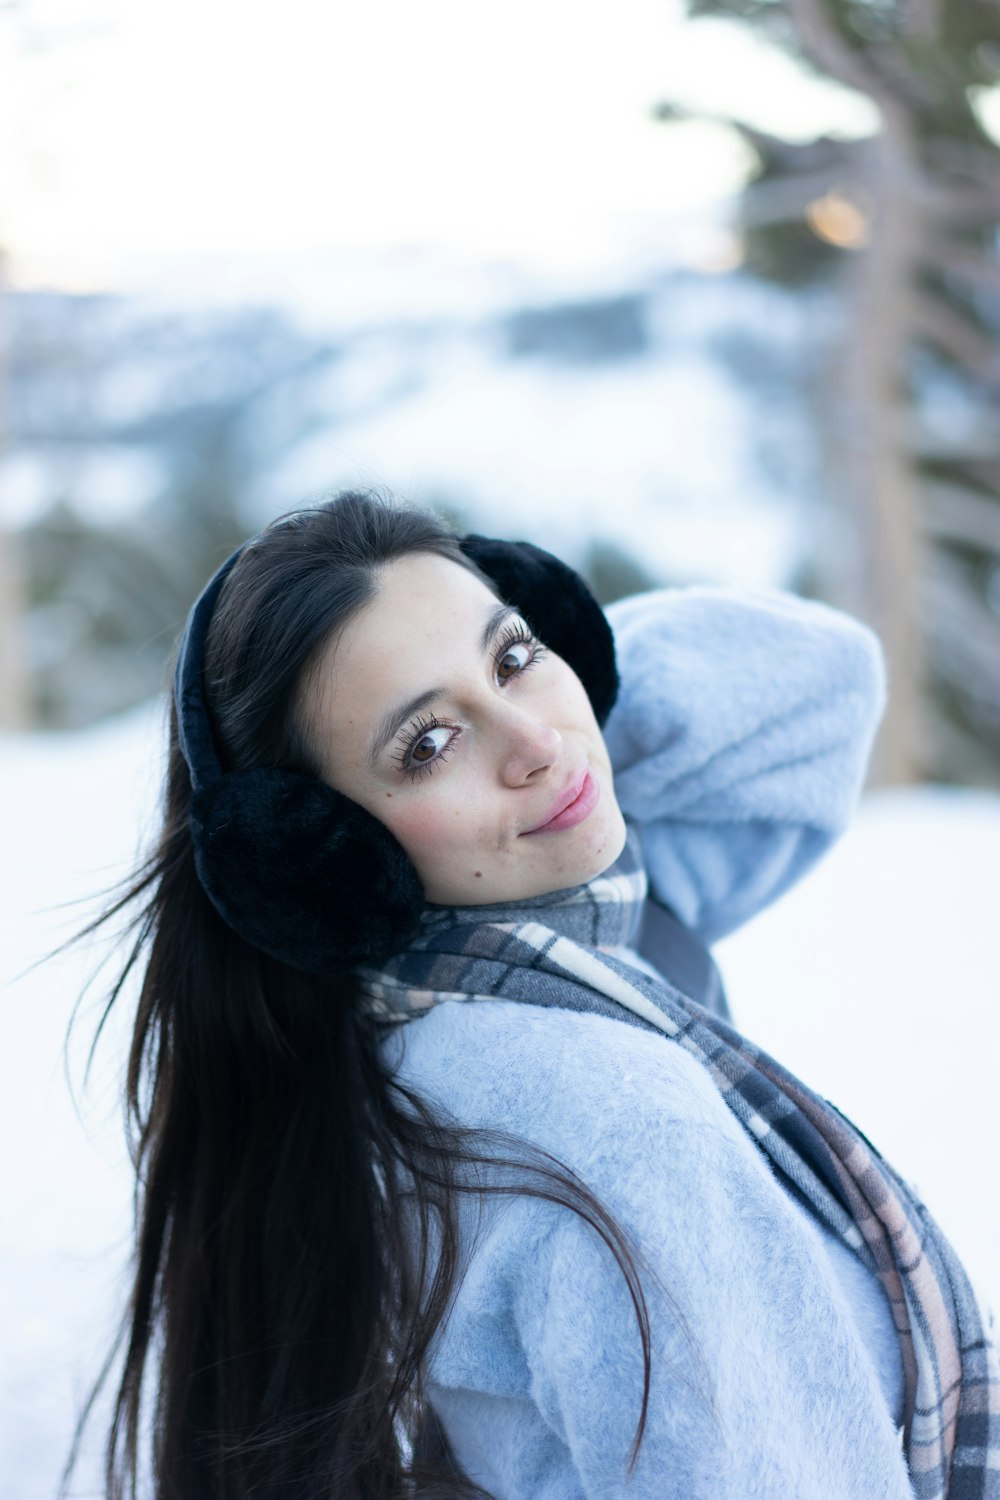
x: 133, y: 131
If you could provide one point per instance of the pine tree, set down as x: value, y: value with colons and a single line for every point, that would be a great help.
x: 906, y: 221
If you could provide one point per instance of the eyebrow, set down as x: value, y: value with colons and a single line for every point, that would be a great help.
x: 393, y: 719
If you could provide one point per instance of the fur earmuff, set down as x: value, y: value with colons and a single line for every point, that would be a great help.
x: 302, y: 872
x: 558, y: 606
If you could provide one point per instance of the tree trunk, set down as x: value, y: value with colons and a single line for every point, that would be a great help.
x: 15, y: 699
x: 885, y: 577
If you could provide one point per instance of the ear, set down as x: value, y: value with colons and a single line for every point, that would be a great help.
x: 302, y: 872
x: 560, y: 608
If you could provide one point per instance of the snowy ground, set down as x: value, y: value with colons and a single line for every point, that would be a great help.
x: 876, y: 981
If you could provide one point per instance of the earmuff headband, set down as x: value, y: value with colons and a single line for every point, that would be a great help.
x: 194, y: 727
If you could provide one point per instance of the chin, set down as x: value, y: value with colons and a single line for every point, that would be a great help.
x: 599, y: 853
x: 608, y: 852
x: 595, y: 851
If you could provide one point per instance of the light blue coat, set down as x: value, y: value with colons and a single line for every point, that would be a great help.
x: 739, y: 743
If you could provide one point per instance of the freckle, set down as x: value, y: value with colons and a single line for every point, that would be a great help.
x: 479, y: 874
x: 388, y: 794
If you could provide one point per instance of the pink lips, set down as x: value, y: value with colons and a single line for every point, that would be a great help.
x: 571, y: 807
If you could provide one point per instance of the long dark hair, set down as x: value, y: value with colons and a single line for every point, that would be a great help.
x: 290, y: 1190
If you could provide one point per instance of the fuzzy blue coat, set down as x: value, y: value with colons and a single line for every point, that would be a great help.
x: 739, y: 742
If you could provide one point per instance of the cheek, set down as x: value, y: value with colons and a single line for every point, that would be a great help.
x: 567, y: 699
x: 429, y: 831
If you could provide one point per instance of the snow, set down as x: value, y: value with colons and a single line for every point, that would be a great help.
x: 72, y: 809
x: 692, y: 465
x: 590, y: 454
x: 875, y: 980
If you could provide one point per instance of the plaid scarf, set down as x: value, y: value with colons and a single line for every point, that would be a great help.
x: 553, y: 950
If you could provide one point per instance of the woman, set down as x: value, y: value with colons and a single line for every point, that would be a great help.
x: 576, y: 1237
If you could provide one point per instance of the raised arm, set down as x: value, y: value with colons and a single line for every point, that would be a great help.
x: 739, y: 740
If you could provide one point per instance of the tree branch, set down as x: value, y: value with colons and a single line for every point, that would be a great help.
x: 777, y: 200
x: 965, y: 630
x: 835, y: 56
x: 962, y: 262
x: 963, y: 515
x: 959, y: 338
x: 922, y: 19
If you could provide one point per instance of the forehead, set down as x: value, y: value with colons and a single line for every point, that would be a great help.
x: 423, y: 623
x: 420, y: 601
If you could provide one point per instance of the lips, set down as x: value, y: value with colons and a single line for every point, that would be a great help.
x: 576, y: 802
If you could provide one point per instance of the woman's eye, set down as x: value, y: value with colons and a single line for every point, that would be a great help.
x: 428, y: 745
x: 514, y: 660
x: 516, y: 652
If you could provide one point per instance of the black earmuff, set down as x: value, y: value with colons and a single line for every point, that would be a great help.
x: 296, y: 868
x: 558, y: 606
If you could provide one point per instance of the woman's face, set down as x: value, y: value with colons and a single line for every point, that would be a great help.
x: 439, y: 712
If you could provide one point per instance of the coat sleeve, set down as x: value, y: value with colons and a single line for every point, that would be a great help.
x: 739, y: 741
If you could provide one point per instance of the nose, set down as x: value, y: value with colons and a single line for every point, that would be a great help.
x: 529, y: 748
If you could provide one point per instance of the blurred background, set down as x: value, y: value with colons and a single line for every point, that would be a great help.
x: 685, y: 292
x: 702, y: 293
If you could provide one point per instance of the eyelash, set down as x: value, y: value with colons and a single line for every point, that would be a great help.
x: 519, y: 635
x: 514, y: 635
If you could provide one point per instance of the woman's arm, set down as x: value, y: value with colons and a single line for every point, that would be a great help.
x: 739, y: 740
